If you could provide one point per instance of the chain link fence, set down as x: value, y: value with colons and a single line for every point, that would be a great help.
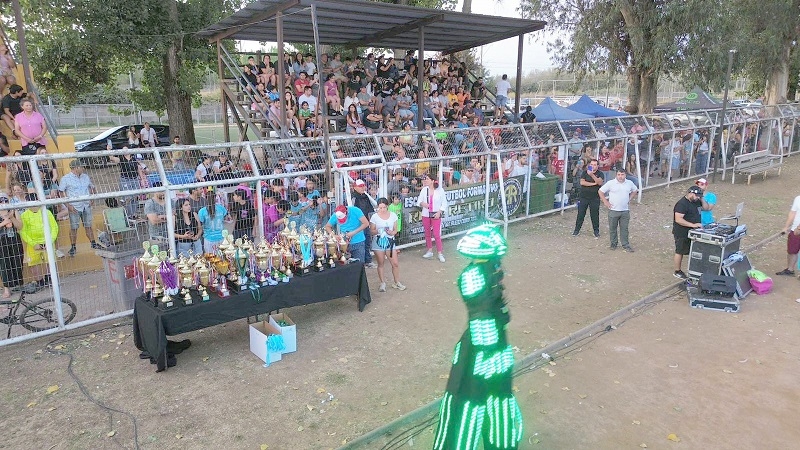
x: 80, y: 248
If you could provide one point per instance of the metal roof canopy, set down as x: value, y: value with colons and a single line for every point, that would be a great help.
x: 360, y: 23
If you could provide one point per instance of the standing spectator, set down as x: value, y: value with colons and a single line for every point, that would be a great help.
x: 529, y: 117
x: 10, y: 248
x: 197, y: 197
x: 32, y: 234
x: 433, y: 201
x: 686, y: 217
x: 130, y: 170
x: 792, y: 227
x: 148, y: 136
x: 352, y: 225
x: 701, y: 161
x: 177, y: 156
x: 591, y: 181
x: 364, y: 202
x: 133, y: 137
x: 201, y: 173
x: 223, y: 167
x: 212, y: 217
x: 30, y: 128
x: 275, y: 209
x: 7, y: 65
x: 383, y: 226
x: 188, y: 230
x: 620, y: 192
x: 709, y: 200
x: 503, y: 86
x: 11, y: 104
x: 76, y: 183
x: 156, y: 211
x: 244, y: 213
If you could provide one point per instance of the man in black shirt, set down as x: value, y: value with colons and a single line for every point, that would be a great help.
x: 686, y: 217
x: 363, y: 201
x: 528, y: 116
x: 11, y: 104
x: 591, y: 181
x: 244, y: 213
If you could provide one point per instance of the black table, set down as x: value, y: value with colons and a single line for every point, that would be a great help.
x: 152, y: 325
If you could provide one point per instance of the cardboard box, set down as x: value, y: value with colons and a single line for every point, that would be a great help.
x: 258, y: 340
x: 289, y: 331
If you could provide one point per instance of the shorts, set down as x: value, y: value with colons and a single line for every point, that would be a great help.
x: 85, y: 216
x: 34, y: 257
x: 502, y: 101
x: 793, y: 243
x: 682, y: 245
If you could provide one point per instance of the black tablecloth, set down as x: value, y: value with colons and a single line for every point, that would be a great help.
x: 152, y: 325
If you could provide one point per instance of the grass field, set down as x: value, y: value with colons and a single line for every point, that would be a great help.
x: 205, y: 134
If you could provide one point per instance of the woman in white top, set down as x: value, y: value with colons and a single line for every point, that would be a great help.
x: 433, y: 201
x: 383, y: 225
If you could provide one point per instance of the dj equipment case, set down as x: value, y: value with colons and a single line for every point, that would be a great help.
x: 715, y: 302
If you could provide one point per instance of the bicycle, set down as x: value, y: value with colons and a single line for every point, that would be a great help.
x: 38, y: 315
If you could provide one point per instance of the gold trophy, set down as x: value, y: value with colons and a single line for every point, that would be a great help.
x: 262, y: 264
x: 343, y: 250
x: 319, y: 252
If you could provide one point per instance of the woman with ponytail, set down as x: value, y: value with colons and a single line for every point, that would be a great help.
x: 433, y: 201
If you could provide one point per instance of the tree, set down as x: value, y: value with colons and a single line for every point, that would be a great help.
x: 635, y: 37
x: 76, y: 45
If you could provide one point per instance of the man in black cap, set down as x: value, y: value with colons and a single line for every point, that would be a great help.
x: 686, y: 217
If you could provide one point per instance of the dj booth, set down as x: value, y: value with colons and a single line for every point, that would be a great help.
x: 717, y: 267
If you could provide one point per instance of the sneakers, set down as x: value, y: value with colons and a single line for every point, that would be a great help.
x: 382, y: 288
x: 574, y: 233
x: 371, y: 265
x: 441, y: 258
x: 60, y: 254
x: 785, y: 272
x: 628, y: 249
x: 428, y: 254
x: 399, y: 286
x: 72, y: 251
x: 96, y: 246
x: 612, y: 247
x: 679, y: 274
x: 597, y: 235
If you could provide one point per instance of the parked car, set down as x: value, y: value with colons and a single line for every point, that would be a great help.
x: 118, y: 136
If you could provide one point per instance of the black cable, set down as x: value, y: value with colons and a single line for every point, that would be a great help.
x: 83, y: 388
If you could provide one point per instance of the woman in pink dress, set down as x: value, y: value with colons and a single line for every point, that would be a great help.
x: 30, y: 127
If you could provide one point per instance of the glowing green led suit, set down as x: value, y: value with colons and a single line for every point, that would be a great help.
x: 478, y: 405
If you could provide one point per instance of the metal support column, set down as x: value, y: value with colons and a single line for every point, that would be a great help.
x: 518, y: 87
x: 226, y: 128
x: 23, y: 46
x: 281, y: 75
x: 321, y: 100
x: 420, y: 78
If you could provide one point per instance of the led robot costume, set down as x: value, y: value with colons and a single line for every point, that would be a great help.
x: 478, y: 404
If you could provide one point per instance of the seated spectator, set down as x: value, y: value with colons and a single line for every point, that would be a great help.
x: 201, y: 172
x: 352, y: 99
x: 388, y: 107
x: 332, y: 97
x: 223, y: 167
x: 404, y: 112
x: 249, y: 79
x: 267, y: 72
x: 372, y: 119
x: 301, y: 82
x: 354, y: 123
x: 11, y: 104
x: 308, y: 97
x: 305, y: 113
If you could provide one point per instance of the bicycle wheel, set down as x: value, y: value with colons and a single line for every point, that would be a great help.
x: 41, y: 314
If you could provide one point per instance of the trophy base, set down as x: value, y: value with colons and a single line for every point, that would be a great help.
x: 302, y: 271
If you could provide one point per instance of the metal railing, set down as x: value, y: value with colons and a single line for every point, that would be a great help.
x: 518, y: 172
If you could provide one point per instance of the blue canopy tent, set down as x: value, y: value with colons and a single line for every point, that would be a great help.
x: 585, y: 105
x: 549, y: 110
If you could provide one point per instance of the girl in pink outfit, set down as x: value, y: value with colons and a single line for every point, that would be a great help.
x: 29, y: 125
x: 433, y: 201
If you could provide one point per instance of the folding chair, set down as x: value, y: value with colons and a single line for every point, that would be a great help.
x: 116, y: 223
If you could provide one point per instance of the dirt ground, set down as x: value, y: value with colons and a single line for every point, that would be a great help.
x: 715, y: 380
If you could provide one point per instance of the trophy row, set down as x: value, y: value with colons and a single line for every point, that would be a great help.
x: 237, y: 265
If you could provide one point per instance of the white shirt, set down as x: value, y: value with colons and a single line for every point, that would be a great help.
x: 619, y: 194
x: 796, y: 209
x: 502, y: 88
x: 310, y: 99
x: 148, y: 134
x: 439, y: 201
x: 203, y: 171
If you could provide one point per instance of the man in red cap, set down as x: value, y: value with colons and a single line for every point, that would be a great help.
x: 352, y: 224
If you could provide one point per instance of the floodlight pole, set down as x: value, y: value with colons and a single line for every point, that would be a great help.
x: 718, y: 143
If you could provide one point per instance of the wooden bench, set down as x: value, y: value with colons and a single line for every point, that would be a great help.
x: 754, y: 163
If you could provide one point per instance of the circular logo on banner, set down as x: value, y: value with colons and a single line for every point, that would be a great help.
x: 514, y: 195
x: 691, y: 96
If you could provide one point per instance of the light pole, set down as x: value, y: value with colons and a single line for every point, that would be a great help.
x: 718, y: 144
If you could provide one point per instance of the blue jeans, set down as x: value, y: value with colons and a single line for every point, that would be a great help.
x: 131, y: 204
x: 701, y: 163
x: 367, y: 256
x: 357, y: 251
x: 183, y: 248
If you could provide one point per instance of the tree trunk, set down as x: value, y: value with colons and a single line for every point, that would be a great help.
x: 778, y: 79
x: 179, y: 102
x: 467, y: 8
x: 634, y: 90
x: 648, y: 92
